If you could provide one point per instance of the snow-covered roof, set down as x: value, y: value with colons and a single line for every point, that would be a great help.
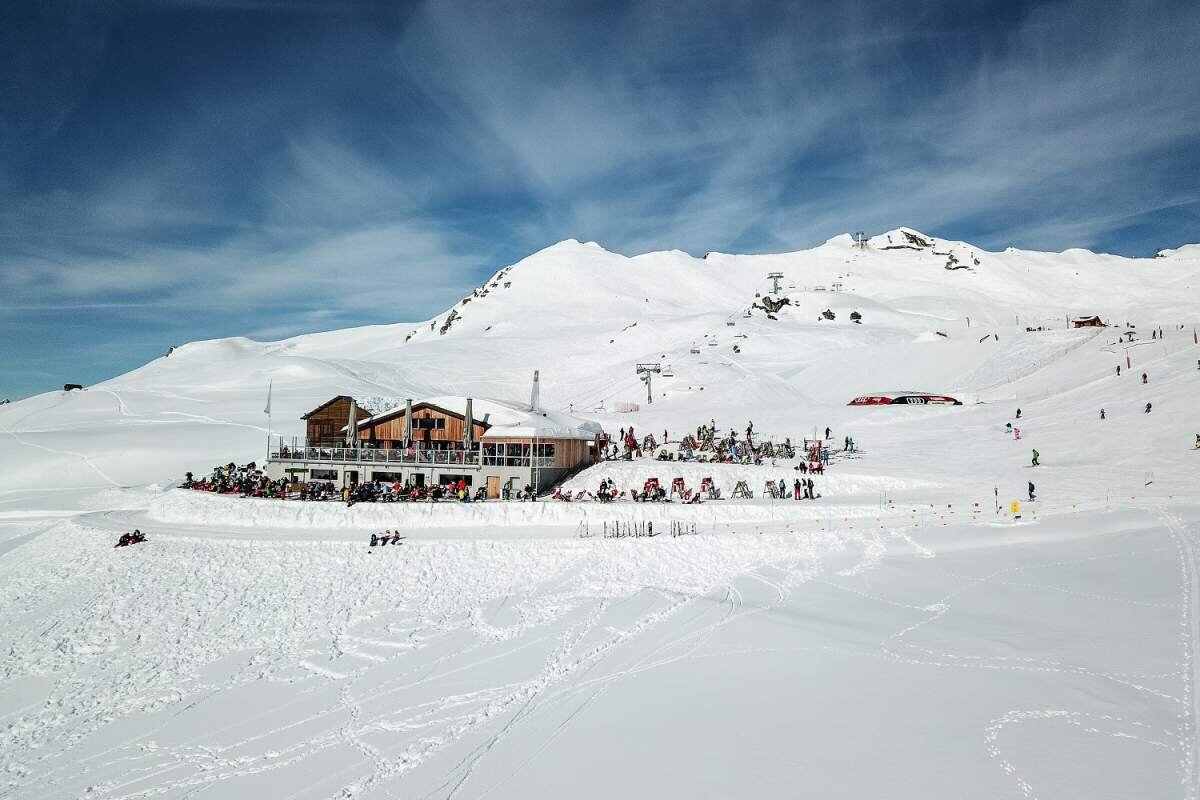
x: 504, y: 418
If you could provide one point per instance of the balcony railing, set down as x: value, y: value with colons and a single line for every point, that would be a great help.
x: 416, y: 455
x: 375, y: 455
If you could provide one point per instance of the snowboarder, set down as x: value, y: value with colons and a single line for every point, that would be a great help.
x: 1036, y: 456
x: 1144, y: 378
x: 1147, y: 408
x: 827, y: 432
x: 1102, y: 413
x: 374, y: 540
x: 1031, y: 495
x: 1018, y: 413
x: 1008, y: 427
x: 125, y: 539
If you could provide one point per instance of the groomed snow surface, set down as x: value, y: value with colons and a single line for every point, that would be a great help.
x: 897, y: 637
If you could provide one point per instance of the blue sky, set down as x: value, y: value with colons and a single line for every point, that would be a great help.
x: 188, y: 169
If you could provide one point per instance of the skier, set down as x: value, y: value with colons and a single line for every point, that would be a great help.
x: 1147, y: 408
x: 1031, y: 495
x: 1036, y: 456
x: 1102, y: 413
x: 782, y: 488
x: 1118, y: 370
x: 827, y: 432
x: 1144, y: 378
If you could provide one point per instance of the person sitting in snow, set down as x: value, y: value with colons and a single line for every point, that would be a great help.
x: 124, y: 541
x: 1148, y: 406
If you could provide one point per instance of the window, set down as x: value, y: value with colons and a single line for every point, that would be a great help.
x: 323, y: 475
x: 429, y: 424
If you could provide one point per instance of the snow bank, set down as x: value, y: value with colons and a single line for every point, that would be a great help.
x: 187, y: 507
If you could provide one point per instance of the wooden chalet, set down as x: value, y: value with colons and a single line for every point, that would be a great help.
x: 325, y: 422
x: 492, y: 443
x: 1088, y: 322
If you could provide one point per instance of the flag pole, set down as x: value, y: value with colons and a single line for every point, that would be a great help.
x: 267, y: 410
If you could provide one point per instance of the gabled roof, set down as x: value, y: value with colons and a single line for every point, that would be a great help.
x: 326, y: 405
x: 503, y: 419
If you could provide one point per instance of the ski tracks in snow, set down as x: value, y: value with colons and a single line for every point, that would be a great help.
x: 1184, y: 742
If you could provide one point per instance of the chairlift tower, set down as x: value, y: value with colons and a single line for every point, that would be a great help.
x: 860, y: 240
x: 775, y: 278
x: 645, y: 371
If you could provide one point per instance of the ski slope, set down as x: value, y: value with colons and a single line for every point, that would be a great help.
x: 895, y: 637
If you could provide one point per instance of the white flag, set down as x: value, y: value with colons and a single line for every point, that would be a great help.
x: 270, y: 386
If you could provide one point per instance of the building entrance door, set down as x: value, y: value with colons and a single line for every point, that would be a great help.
x: 493, y: 486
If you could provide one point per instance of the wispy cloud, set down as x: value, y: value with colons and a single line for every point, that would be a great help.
x: 273, y: 164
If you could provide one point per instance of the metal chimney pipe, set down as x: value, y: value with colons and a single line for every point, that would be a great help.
x: 535, y: 394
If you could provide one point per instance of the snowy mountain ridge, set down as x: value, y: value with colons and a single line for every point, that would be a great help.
x: 848, y: 320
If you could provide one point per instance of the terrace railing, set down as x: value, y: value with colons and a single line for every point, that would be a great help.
x: 375, y: 455
x: 410, y: 456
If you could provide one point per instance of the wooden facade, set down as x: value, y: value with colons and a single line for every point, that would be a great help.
x: 1089, y: 322
x: 326, y: 421
x: 430, y: 424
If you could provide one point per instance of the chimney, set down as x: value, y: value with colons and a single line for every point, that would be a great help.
x: 408, y: 423
x: 468, y: 427
x: 535, y: 404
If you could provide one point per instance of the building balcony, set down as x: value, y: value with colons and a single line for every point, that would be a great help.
x: 415, y: 456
